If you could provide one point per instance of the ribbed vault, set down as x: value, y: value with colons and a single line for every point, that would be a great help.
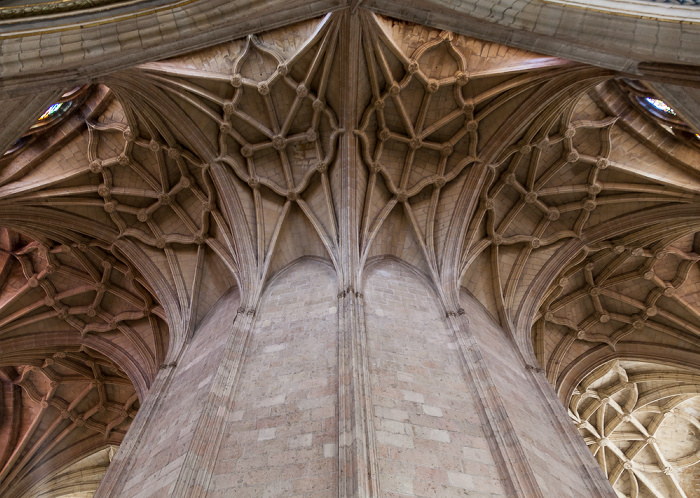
x: 640, y: 421
x: 529, y: 181
x: 76, y: 319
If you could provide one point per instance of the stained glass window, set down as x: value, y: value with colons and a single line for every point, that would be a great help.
x: 55, y: 114
x: 663, y: 114
x: 661, y: 106
x: 679, y: 2
x: 51, y: 111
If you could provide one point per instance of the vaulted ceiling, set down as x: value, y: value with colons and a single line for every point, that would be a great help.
x: 531, y: 181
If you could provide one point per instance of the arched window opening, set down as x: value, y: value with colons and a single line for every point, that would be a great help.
x: 53, y: 115
x: 658, y: 110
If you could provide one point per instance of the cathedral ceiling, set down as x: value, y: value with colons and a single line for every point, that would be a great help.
x: 52, y: 49
x: 530, y: 181
x: 640, y: 420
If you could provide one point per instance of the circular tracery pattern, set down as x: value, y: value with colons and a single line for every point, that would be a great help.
x: 69, y: 312
x: 275, y: 129
x: 640, y: 420
x: 57, y: 295
x: 553, y: 187
x: 419, y: 116
x: 267, y: 103
x: 82, y: 287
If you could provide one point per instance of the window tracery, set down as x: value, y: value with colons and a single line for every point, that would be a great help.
x: 658, y: 110
x: 53, y: 115
x: 51, y: 111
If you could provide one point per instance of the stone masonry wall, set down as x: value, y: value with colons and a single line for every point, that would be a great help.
x: 282, y: 435
x: 429, y: 438
x: 162, y: 451
x: 546, y: 449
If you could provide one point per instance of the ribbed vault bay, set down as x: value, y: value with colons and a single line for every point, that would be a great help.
x: 80, y: 337
x: 640, y: 420
x: 522, y: 180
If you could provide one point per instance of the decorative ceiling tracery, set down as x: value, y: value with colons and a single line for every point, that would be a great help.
x: 72, y: 403
x: 522, y: 178
x: 417, y: 135
x: 640, y: 420
x: 142, y: 188
x: 630, y: 294
x: 552, y: 187
x: 433, y: 116
x: 65, y: 293
x: 263, y: 108
x: 638, y: 288
x: 77, y: 481
x: 74, y: 318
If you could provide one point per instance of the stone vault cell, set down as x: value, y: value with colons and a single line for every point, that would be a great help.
x: 429, y: 437
x: 281, y: 437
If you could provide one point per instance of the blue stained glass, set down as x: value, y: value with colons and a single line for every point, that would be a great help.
x: 51, y: 111
x: 679, y: 2
x: 661, y: 106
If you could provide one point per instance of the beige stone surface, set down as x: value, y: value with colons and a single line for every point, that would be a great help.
x: 354, y: 256
x: 430, y: 440
x: 282, y: 435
